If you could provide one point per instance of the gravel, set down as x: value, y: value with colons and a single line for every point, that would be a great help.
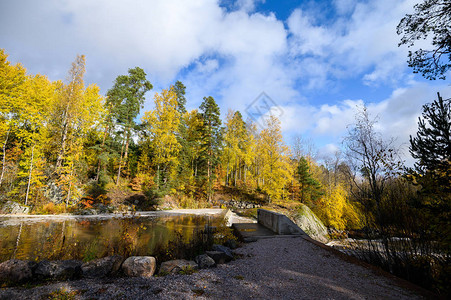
x: 276, y: 268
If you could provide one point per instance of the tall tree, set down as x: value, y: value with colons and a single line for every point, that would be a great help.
x: 126, y: 98
x: 12, y: 87
x: 68, y: 106
x: 431, y: 18
x: 310, y: 187
x: 432, y: 148
x: 432, y: 144
x: 276, y: 172
x: 179, y: 90
x: 162, y: 125
x: 211, y: 138
x: 371, y: 156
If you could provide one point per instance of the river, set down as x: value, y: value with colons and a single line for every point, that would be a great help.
x: 84, y: 237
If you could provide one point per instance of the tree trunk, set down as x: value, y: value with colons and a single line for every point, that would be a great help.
x: 101, y: 147
x: 59, y: 160
x: 120, y: 165
x: 17, y: 240
x: 227, y: 176
x: 4, y: 156
x: 29, y: 175
x: 158, y: 177
x: 70, y: 188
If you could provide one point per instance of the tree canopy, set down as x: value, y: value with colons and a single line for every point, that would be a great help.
x: 431, y: 21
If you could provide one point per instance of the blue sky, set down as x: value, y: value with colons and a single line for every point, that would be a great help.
x: 317, y: 60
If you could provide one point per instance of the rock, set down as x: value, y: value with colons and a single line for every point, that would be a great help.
x: 102, y: 208
x: 102, y: 267
x: 14, y: 208
x: 218, y: 256
x: 226, y: 250
x: 311, y: 224
x: 250, y: 239
x: 232, y: 244
x: 175, y: 266
x: 54, y: 193
x: 16, y: 271
x: 204, y: 261
x: 58, y: 269
x: 139, y: 266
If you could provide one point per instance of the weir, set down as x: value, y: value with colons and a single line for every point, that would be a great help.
x: 269, y: 224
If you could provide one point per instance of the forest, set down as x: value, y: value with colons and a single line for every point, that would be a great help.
x: 67, y: 139
x: 66, y: 148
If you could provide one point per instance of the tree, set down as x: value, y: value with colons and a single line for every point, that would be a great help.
x: 162, y: 125
x: 234, y: 150
x: 432, y: 148
x: 310, y: 188
x: 275, y: 169
x: 68, y: 106
x: 432, y: 144
x: 431, y: 19
x: 126, y: 98
x: 179, y: 90
x: 12, y: 87
x: 211, y: 138
x: 374, y: 158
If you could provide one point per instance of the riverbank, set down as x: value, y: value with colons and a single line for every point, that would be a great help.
x: 8, y: 219
x: 288, y: 268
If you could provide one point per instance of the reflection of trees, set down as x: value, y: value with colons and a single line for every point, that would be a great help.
x: 17, y: 241
x: 74, y: 238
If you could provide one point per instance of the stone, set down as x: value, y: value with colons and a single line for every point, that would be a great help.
x: 232, y: 244
x: 102, y: 267
x: 204, y: 261
x: 139, y: 266
x: 218, y: 256
x: 58, y: 269
x: 16, y: 271
x: 311, y: 224
x: 54, y: 193
x: 175, y: 266
x: 225, y: 250
x: 14, y: 208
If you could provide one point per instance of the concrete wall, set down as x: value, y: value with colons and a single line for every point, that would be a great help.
x: 276, y: 222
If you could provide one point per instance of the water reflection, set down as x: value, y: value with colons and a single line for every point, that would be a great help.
x: 88, y: 238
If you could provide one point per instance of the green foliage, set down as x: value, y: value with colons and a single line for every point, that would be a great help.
x: 310, y: 188
x: 432, y: 145
x: 431, y: 19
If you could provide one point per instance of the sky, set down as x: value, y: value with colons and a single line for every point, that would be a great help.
x: 310, y: 63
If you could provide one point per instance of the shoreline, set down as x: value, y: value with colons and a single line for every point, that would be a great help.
x: 288, y: 268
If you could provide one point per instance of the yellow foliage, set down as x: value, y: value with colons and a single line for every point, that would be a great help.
x: 337, y: 211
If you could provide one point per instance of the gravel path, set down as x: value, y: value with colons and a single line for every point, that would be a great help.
x: 277, y: 268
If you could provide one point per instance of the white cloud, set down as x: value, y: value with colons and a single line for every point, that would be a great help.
x: 362, y: 40
x: 233, y: 55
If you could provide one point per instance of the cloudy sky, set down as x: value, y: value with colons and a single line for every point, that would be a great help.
x: 317, y: 61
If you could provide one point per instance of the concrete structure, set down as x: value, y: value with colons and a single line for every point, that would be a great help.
x: 277, y: 223
x: 270, y: 225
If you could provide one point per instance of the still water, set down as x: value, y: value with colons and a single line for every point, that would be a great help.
x: 85, y: 238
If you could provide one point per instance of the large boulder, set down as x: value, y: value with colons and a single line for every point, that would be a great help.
x: 176, y: 266
x: 58, y: 269
x: 226, y: 250
x: 311, y: 224
x: 16, y: 271
x: 102, y: 267
x: 54, y: 193
x: 204, y: 261
x: 14, y: 208
x: 139, y: 266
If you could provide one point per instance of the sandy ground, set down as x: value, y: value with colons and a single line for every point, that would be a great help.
x: 276, y: 268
